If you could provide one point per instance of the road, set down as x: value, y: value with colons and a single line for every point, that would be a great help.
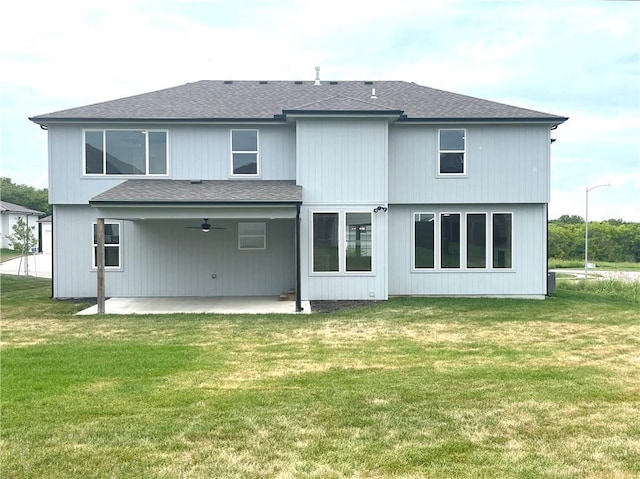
x: 627, y: 276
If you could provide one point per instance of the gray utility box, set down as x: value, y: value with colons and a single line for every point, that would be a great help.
x: 551, y: 282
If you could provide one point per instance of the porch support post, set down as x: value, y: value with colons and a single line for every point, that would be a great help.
x: 100, y: 263
x: 298, y: 282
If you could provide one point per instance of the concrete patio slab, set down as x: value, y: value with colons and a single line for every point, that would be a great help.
x: 199, y: 304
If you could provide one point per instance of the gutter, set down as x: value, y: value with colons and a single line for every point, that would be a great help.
x: 193, y: 203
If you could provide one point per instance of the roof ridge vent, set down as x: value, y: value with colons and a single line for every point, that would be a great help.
x: 262, y: 82
x: 227, y: 82
x: 317, y: 82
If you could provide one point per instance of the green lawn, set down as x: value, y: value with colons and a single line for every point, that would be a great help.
x: 409, y: 388
x: 7, y: 254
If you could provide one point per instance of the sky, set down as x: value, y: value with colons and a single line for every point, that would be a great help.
x: 579, y: 59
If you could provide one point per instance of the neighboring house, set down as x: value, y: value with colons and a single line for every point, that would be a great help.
x: 45, y: 234
x: 9, y: 214
x: 341, y: 190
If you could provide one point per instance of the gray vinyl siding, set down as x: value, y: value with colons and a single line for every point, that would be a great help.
x: 345, y: 286
x: 342, y: 161
x: 505, y: 164
x: 162, y: 258
x: 203, y: 152
x: 342, y: 166
x: 526, y: 279
x: 195, y: 152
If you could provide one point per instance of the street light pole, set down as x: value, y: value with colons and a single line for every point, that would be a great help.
x: 586, y: 228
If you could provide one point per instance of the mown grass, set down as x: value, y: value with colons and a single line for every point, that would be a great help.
x: 409, y: 388
x: 7, y: 254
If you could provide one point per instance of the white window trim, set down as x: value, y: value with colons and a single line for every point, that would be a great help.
x: 257, y: 152
x: 463, y: 246
x: 464, y: 173
x: 263, y: 236
x: 94, y: 246
x: 413, y: 240
x: 463, y: 243
x: 342, y: 244
x: 487, y: 237
x: 104, y: 153
x: 513, y: 242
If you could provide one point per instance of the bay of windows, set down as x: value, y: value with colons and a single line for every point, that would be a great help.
x: 125, y: 152
x: 462, y: 240
x: 352, y: 230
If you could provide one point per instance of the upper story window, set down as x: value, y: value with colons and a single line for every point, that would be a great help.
x: 125, y: 152
x: 244, y: 153
x: 452, y: 152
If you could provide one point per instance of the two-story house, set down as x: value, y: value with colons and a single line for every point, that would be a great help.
x: 337, y: 189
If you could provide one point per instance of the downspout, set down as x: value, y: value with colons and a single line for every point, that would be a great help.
x: 298, y: 281
x: 53, y: 263
x: 546, y: 208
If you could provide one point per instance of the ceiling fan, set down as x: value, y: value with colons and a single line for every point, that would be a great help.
x: 206, y: 227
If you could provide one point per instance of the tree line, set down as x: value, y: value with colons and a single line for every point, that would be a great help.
x: 612, y: 240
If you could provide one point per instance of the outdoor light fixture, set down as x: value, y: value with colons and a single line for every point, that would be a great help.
x: 379, y: 208
x: 586, y: 228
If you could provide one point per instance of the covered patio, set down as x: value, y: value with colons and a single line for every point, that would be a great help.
x: 184, y: 273
x: 199, y: 304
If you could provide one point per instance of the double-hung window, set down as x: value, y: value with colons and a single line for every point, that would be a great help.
x: 452, y: 152
x: 252, y: 236
x: 244, y: 153
x: 112, y: 253
x: 125, y: 152
x: 342, y: 242
x: 471, y: 241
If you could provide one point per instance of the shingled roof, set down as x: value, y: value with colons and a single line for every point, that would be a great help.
x: 273, y: 100
x: 201, y: 192
x: 6, y: 207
